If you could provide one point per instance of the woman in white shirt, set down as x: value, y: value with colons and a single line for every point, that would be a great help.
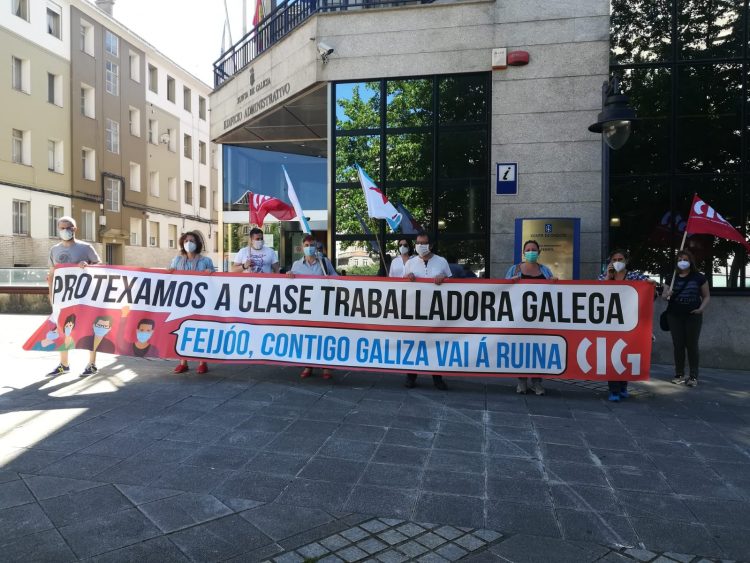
x: 406, y: 253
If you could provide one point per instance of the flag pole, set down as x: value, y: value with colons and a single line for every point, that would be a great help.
x: 377, y: 240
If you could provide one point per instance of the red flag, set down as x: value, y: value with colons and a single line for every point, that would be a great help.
x: 258, y: 15
x: 262, y: 205
x: 704, y: 219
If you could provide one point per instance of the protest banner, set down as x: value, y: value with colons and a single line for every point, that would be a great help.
x: 504, y: 328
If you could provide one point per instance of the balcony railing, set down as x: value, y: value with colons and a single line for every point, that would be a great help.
x: 282, y: 20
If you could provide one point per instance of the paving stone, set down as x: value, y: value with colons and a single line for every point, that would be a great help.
x: 431, y: 540
x: 177, y: 512
x: 219, y: 539
x: 469, y: 542
x: 289, y: 557
x: 335, y: 542
x: 661, y: 535
x: 280, y: 521
x: 323, y: 495
x: 522, y: 518
x: 374, y: 526
x: 352, y: 553
x: 451, y: 552
x: 372, y: 545
x: 640, y: 554
x: 391, y: 521
x: 602, y: 528
x: 392, y: 537
x: 157, y: 550
x: 412, y: 549
x: 663, y: 559
x: 381, y: 500
x: 432, y: 558
x: 681, y: 557
x: 84, y: 505
x: 354, y: 534
x: 410, y: 529
x: 41, y: 546
x: 487, y: 535
x: 45, y: 487
x: 14, y: 493
x: 450, y: 509
x: 391, y: 556
x: 331, y: 559
x: 448, y: 532
x: 139, y: 495
x: 523, y: 547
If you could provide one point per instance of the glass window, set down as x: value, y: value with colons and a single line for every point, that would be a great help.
x: 55, y: 212
x: 463, y: 154
x: 87, y: 38
x: 463, y: 99
x: 111, y: 43
x: 153, y: 233
x: 171, y: 89
x: 710, y: 30
x: 112, y: 191
x: 112, y: 136
x: 187, y: 146
x: 409, y: 157
x: 153, y: 79
x: 51, y: 155
x: 153, y: 131
x: 358, y: 105
x: 135, y: 66
x: 641, y: 31
x: 20, y: 75
x: 88, y: 163
x: 202, y: 108
x: 87, y: 228
x: 20, y: 217
x: 135, y: 177
x: 20, y: 8
x: 187, y: 99
x: 188, y: 192
x: 87, y: 101
x: 153, y: 184
x: 112, y: 77
x: 409, y: 103
x: 363, y: 150
x: 465, y: 256
x: 54, y: 17
x: 17, y: 147
x: 462, y: 209
x: 134, y: 116
x: 202, y: 152
x: 203, y: 197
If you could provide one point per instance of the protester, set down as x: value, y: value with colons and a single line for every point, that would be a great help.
x: 313, y: 263
x: 617, y: 270
x: 688, y: 297
x: 70, y: 251
x: 426, y: 265
x: 405, y: 253
x: 385, y: 265
x: 191, y: 259
x: 256, y: 258
x: 530, y: 269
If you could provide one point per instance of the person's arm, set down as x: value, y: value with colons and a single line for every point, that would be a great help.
x: 93, y: 256
x: 237, y: 267
x: 209, y: 266
x: 514, y: 272
x: 705, y: 298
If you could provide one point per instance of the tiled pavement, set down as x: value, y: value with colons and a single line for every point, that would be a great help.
x: 248, y: 463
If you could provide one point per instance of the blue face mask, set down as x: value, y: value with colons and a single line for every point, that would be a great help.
x: 143, y: 336
x: 100, y: 331
x: 68, y: 330
x: 309, y: 250
x: 52, y: 335
x: 531, y: 256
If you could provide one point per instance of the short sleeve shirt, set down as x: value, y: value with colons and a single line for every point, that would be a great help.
x: 435, y: 266
x: 198, y: 264
x: 686, y: 293
x: 261, y: 261
x: 397, y: 268
x: 303, y: 268
x: 73, y: 254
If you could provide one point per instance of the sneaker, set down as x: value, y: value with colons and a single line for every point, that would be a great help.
x: 537, y: 388
x: 692, y: 382
x: 59, y: 370
x: 614, y: 397
x: 326, y: 374
x: 181, y: 368
x: 91, y: 369
x: 307, y: 372
x: 522, y: 388
x: 202, y: 367
x: 624, y: 394
x: 677, y: 379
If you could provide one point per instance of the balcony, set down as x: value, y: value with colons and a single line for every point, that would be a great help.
x: 282, y: 20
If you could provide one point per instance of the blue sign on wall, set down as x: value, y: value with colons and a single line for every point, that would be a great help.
x: 507, y: 178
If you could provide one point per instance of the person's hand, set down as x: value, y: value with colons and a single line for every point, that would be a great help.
x: 125, y: 311
x: 83, y: 263
x: 289, y: 275
x: 411, y: 277
x: 554, y: 278
x: 247, y: 264
x: 696, y: 312
x: 667, y: 293
x: 439, y: 279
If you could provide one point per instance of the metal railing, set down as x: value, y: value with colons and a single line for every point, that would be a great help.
x: 25, y: 277
x: 282, y: 20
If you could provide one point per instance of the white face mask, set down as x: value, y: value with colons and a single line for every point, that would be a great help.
x: 423, y: 249
x: 683, y: 264
x: 618, y: 266
x: 189, y: 247
x: 65, y: 234
x: 403, y: 249
x: 257, y: 244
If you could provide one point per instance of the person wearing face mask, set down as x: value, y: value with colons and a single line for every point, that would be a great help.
x: 68, y: 343
x: 688, y: 295
x: 191, y: 259
x: 141, y: 345
x: 256, y: 258
x: 68, y: 251
x: 405, y: 253
x: 530, y: 269
x: 313, y: 263
x: 617, y: 270
x: 97, y: 342
x: 426, y: 266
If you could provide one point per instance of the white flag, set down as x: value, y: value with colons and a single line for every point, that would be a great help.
x: 378, y: 206
x: 295, y: 202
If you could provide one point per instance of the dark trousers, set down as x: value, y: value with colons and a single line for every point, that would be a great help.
x: 413, y: 377
x: 686, y: 330
x: 617, y: 386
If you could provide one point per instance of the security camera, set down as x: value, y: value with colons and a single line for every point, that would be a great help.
x: 325, y: 51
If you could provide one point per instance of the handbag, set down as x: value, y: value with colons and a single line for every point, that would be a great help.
x: 663, y: 321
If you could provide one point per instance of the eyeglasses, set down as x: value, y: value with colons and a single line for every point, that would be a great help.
x: 100, y: 325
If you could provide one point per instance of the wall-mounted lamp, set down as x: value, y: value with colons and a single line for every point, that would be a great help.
x: 325, y: 51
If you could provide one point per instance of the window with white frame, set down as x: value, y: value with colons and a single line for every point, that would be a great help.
x: 188, y: 192
x: 136, y: 227
x: 88, y: 101
x: 187, y: 146
x: 202, y: 197
x: 55, y: 212
x: 54, y: 20
x: 135, y: 177
x: 88, y: 163
x: 17, y: 146
x: 172, y: 235
x: 55, y: 157
x: 20, y: 8
x: 87, y: 227
x: 20, y: 217
x: 112, y: 135
x: 21, y: 74
x: 112, y: 78
x: 135, y: 66
x: 202, y: 152
x: 172, y: 189
x: 112, y: 193
x: 171, y: 95
x: 153, y: 79
x: 187, y: 99
x: 55, y: 89
x: 87, y: 38
x: 135, y: 121
x: 202, y: 108
x: 153, y: 184
x: 172, y: 139
x: 111, y: 43
x: 153, y: 233
x: 153, y: 131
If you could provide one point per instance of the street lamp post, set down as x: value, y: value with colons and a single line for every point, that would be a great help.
x: 614, y: 123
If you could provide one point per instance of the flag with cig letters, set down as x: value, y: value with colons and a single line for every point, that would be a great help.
x: 378, y: 206
x: 704, y: 219
x: 261, y: 205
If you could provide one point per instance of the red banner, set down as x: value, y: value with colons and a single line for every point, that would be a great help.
x: 503, y: 328
x: 704, y: 219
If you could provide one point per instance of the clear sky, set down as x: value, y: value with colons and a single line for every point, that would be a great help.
x: 187, y: 31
